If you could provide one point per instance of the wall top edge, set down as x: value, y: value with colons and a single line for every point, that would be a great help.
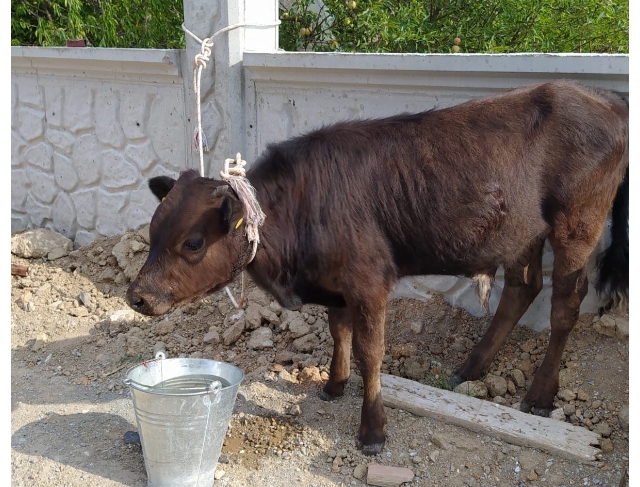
x: 161, y: 62
x: 561, y: 63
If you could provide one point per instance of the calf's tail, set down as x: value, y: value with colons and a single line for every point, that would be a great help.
x: 613, y: 263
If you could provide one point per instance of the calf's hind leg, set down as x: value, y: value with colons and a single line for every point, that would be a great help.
x: 570, y: 286
x: 341, y: 332
x: 522, y: 283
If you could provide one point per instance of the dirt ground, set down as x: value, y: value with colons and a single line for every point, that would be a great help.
x: 73, y: 338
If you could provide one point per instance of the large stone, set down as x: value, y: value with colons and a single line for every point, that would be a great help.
x: 518, y: 377
x: 78, y: 106
x: 34, y: 244
x: 298, y: 327
x: 261, y: 338
x: 30, y: 123
x: 307, y: 343
x: 110, y: 220
x: 253, y: 317
x: 19, y: 188
x: 142, y: 204
x: 37, y: 212
x: 60, y: 139
x: 258, y: 296
x: 64, y: 215
x: 496, y: 385
x: 474, y: 388
x: 234, y: 324
x: 85, y: 205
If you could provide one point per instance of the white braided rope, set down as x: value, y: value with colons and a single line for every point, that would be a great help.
x: 200, y: 62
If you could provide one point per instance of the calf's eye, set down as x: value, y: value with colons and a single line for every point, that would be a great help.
x: 194, y: 243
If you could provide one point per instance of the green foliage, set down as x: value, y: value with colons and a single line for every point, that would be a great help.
x: 103, y: 23
x: 491, y: 26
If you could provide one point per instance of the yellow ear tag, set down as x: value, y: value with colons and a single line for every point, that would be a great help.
x: 162, y: 199
x: 239, y: 223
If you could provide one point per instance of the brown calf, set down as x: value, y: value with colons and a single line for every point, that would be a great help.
x: 350, y: 208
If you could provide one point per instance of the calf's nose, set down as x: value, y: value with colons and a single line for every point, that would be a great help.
x: 135, y: 301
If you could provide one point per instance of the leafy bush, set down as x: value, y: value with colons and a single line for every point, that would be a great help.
x: 432, y: 26
x: 103, y: 23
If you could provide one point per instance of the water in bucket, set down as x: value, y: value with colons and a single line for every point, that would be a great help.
x: 183, y: 407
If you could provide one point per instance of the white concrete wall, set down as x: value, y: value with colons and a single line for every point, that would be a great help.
x: 88, y: 127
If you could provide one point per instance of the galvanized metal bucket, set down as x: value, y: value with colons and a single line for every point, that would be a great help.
x: 183, y: 407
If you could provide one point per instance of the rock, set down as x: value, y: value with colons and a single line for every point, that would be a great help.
x: 415, y: 368
x: 85, y: 298
x: 360, y: 471
x: 57, y: 253
x: 219, y: 474
x: 416, y: 327
x: 122, y: 315
x: 474, y: 388
x: 310, y: 374
x: 261, y: 338
x: 212, y: 338
x: 496, y: 385
x: 603, y: 429
x: 606, y: 445
x: 384, y: 475
x: 557, y: 414
x: 501, y: 400
x: 526, y: 366
x: 433, y: 456
x: 143, y: 233
x: 298, y: 327
x: 137, y: 246
x: 269, y: 315
x: 518, y: 377
x: 234, y: 325
x: 606, y: 325
x: 38, y: 243
x: 39, y: 342
x: 77, y: 311
x: 440, y: 442
x: 307, y: 343
x: 284, y: 356
x: 129, y: 261
x: 623, y: 417
x: 253, y: 316
x: 165, y: 327
x: 404, y: 350
x: 569, y: 409
x: 622, y: 327
x: 159, y: 347
x: 259, y: 297
x: 294, y: 410
x: 566, y: 395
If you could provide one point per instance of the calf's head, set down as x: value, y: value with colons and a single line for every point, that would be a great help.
x: 197, y: 243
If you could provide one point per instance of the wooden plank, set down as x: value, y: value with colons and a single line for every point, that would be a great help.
x: 563, y: 439
x: 385, y: 476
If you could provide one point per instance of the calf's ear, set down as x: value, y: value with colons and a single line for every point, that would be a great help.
x: 160, y: 186
x: 231, y: 208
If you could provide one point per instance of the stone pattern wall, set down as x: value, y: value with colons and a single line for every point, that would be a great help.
x: 83, y: 144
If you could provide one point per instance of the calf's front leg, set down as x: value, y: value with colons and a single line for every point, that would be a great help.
x: 368, y: 351
x: 341, y: 332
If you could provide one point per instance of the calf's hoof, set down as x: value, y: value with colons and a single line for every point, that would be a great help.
x: 456, y: 380
x: 371, y: 449
x: 527, y: 407
x: 331, y: 393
